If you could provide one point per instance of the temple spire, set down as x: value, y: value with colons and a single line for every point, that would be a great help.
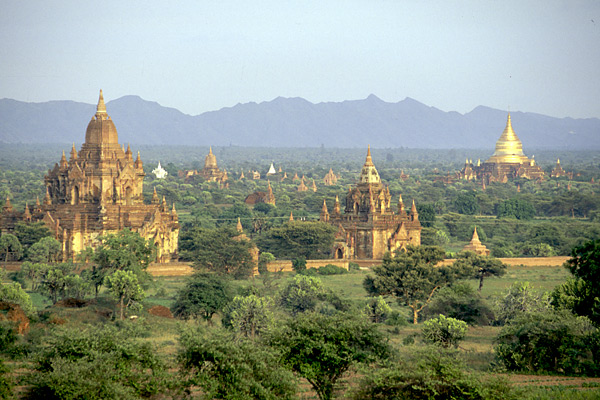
x: 73, y: 153
x: 239, y: 226
x: 369, y: 160
x: 101, y: 107
x: 475, y: 238
x: 291, y: 216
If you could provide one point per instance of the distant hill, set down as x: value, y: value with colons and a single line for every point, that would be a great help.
x: 295, y: 122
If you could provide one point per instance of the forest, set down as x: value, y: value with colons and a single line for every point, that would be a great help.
x: 473, y: 328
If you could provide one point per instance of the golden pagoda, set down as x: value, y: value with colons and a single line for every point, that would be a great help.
x: 558, y: 170
x: 507, y: 162
x: 98, y: 191
x: 476, y: 246
x: 369, y: 226
x: 210, y: 172
x: 330, y: 178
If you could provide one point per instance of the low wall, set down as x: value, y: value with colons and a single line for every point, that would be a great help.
x: 286, y: 265
x: 170, y: 269
x: 525, y: 261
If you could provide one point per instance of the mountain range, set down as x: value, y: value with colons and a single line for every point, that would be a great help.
x: 295, y: 122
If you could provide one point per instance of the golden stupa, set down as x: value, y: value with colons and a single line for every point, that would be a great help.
x: 508, y: 161
x: 509, y: 148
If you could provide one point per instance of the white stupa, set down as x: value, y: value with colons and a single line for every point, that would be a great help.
x: 271, y: 170
x: 160, y: 172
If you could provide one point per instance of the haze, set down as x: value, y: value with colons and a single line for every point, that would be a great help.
x: 536, y: 56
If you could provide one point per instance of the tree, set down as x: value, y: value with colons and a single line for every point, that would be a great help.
x: 30, y: 233
x: 218, y: 250
x: 322, y: 348
x: 295, y: 239
x: 13, y: 293
x: 377, y: 310
x: 264, y: 259
x: 249, y: 315
x: 47, y: 249
x: 444, y: 331
x: 229, y: 367
x: 466, y: 203
x: 97, y: 363
x: 10, y: 247
x: 482, y: 266
x: 550, y: 341
x: 124, y: 251
x: 76, y: 287
x: 426, y: 214
x: 302, y: 294
x: 462, y: 302
x: 55, y: 280
x: 520, y: 298
x: 203, y: 296
x: 124, y: 286
x: 581, y: 293
x: 515, y: 208
x: 435, y: 373
x: 412, y: 277
x: 35, y: 272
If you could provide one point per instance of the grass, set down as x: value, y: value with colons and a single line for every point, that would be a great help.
x: 477, y: 347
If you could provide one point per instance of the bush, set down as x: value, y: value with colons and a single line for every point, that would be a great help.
x: 444, y: 332
x: 226, y: 367
x: 5, y: 383
x: 520, y: 299
x: 434, y: 374
x: 462, y: 302
x: 552, y: 341
x: 96, y: 363
x: 331, y: 269
x: 378, y: 310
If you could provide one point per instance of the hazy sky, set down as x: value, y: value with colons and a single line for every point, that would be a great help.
x: 538, y: 56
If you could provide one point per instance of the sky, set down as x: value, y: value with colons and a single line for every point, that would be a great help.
x: 197, y: 56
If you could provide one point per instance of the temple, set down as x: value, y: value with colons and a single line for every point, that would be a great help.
x: 261, y: 197
x: 210, y: 172
x: 368, y: 226
x: 508, y: 161
x: 160, y: 172
x: 98, y: 191
x: 558, y: 171
x: 476, y: 246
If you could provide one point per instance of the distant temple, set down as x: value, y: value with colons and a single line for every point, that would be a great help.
x: 98, y: 191
x: 261, y: 197
x: 271, y: 170
x: 330, y: 179
x: 558, y: 171
x: 160, y: 172
x: 508, y: 161
x: 475, y: 245
x: 369, y: 226
x: 210, y: 172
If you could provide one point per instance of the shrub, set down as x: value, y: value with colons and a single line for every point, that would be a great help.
x: 226, y: 367
x: 520, y: 299
x: 462, y: 302
x: 434, y: 374
x: 444, y: 332
x: 551, y: 341
x: 331, y: 269
x: 378, y: 310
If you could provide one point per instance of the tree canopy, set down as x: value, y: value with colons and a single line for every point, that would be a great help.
x: 295, y: 239
x: 204, y: 295
x: 412, y: 277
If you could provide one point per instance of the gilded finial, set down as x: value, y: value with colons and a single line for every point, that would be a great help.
x: 101, y: 107
x: 291, y: 216
x: 369, y: 160
x: 239, y: 226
